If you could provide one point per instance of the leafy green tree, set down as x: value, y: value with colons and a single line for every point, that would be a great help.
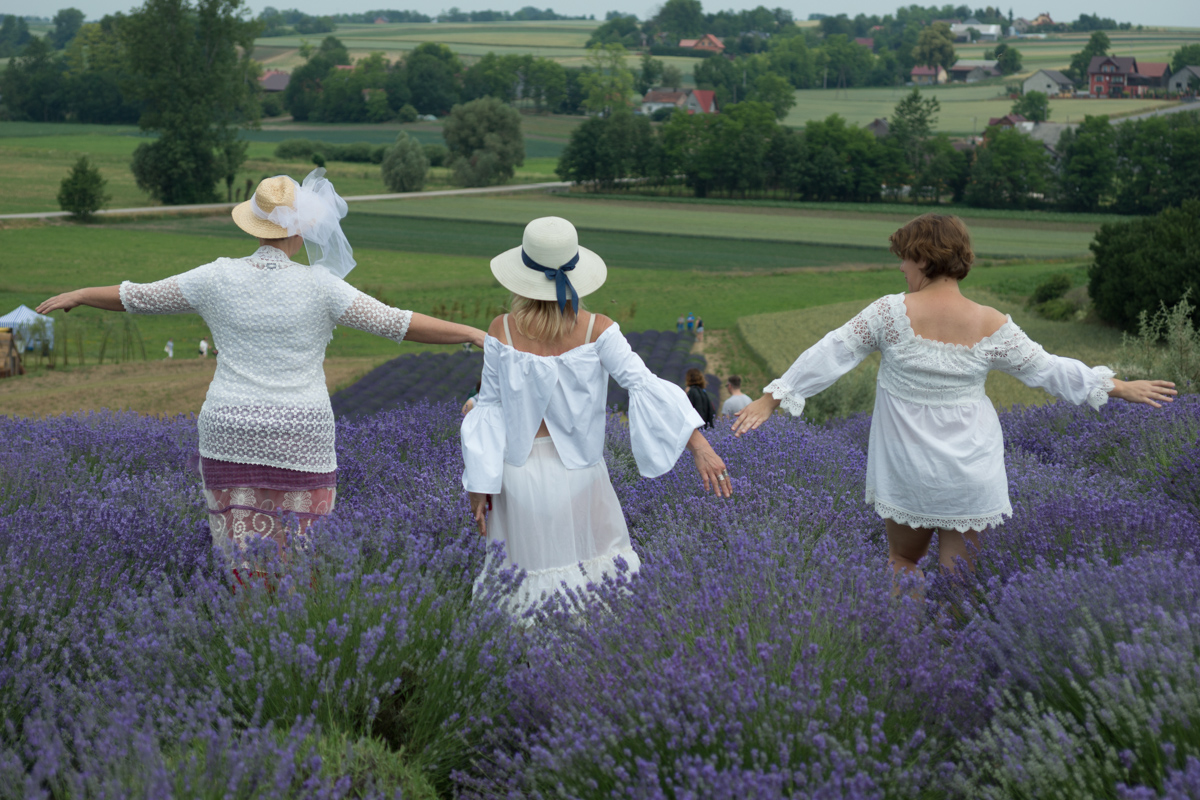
x: 606, y: 150
x: 911, y: 125
x: 546, y: 84
x: 405, y: 165
x: 432, y: 72
x: 99, y: 85
x: 681, y: 18
x: 195, y: 76
x: 14, y: 35
x: 1088, y: 165
x: 1144, y: 264
x: 847, y: 163
x: 485, y: 142
x: 1008, y: 59
x: 1158, y: 163
x: 67, y: 23
x: 791, y: 57
x: 607, y: 82
x: 846, y: 63
x: 935, y: 46
x: 1010, y: 171
x: 82, y: 191
x: 1034, y: 106
x: 33, y: 84
x: 943, y: 172
x: 1186, y: 56
x: 672, y: 76
x: 620, y: 29
x: 650, y: 74
x: 1097, y: 45
x: 775, y: 92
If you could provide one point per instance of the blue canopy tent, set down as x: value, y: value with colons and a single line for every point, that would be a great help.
x: 27, y: 327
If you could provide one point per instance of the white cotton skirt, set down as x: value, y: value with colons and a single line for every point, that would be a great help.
x: 563, y: 527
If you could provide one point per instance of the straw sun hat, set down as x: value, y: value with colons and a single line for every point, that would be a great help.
x: 271, y: 193
x: 533, y: 269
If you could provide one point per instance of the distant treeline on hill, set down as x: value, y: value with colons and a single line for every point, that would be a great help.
x: 285, y: 23
x: 1137, y: 167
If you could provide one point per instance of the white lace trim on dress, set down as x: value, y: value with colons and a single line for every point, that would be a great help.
x: 789, y: 401
x: 368, y: 314
x: 160, y: 297
x: 960, y: 524
x: 1099, y: 396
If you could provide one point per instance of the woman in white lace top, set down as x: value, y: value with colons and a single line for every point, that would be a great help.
x: 533, y: 445
x: 935, y: 459
x: 266, y: 426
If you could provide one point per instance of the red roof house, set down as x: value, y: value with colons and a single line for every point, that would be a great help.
x: 1007, y: 121
x: 274, y: 81
x: 707, y: 42
x: 928, y: 76
x: 1149, y: 75
x: 1109, y: 76
x: 865, y: 41
x: 704, y: 101
x: 692, y: 101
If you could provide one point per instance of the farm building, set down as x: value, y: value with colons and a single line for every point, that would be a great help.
x: 1182, y: 81
x: 967, y: 70
x: 961, y: 31
x: 693, y: 101
x: 1011, y: 121
x: 707, y: 42
x: 1150, y: 75
x: 879, y: 127
x: 1049, y: 82
x: 274, y: 81
x: 928, y: 76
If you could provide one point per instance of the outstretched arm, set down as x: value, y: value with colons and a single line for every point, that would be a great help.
x: 431, y: 330
x: 1152, y: 393
x: 107, y: 298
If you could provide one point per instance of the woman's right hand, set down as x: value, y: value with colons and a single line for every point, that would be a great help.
x: 1151, y: 393
x: 755, y: 414
x: 479, y: 509
x: 710, y: 466
x: 60, y: 302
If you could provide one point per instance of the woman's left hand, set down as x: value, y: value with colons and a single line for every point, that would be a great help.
x: 60, y: 302
x: 479, y: 509
x: 710, y: 466
x: 1152, y: 393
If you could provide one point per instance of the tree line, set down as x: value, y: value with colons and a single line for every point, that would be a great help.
x: 1137, y: 167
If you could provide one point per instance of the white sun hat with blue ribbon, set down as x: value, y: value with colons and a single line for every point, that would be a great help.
x: 550, y: 264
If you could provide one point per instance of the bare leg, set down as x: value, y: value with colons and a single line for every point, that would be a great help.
x: 906, y: 546
x: 953, y: 546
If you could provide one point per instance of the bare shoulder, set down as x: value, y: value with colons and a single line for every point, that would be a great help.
x: 496, y: 329
x: 991, y: 320
x: 603, y: 323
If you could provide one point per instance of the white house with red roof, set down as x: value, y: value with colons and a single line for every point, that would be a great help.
x: 707, y: 42
x: 692, y: 101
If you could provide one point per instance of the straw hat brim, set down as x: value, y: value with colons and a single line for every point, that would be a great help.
x: 508, y: 268
x: 245, y: 218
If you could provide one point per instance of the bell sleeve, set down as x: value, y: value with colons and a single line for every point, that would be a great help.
x: 483, y: 435
x: 1014, y: 353
x: 661, y: 418
x: 819, y: 367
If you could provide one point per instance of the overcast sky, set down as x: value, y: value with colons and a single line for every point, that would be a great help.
x: 1165, y: 12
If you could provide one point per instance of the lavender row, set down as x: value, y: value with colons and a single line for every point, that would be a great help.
x: 446, y: 377
x: 759, y: 652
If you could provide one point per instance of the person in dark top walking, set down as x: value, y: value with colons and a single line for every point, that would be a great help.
x: 698, y: 395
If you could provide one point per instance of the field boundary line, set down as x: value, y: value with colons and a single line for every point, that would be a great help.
x: 117, y: 212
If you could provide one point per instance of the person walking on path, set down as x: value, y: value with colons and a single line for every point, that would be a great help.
x: 679, y: 324
x: 266, y: 426
x: 203, y: 348
x: 935, y: 457
x: 691, y: 322
x: 697, y: 394
x: 170, y: 348
x: 699, y: 330
x: 736, y: 400
x: 533, y: 445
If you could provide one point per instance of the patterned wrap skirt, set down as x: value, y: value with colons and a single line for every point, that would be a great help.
x: 250, y: 504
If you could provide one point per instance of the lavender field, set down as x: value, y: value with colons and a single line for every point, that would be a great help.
x: 758, y: 653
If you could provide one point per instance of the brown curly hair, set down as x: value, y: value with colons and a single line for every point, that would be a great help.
x: 942, y: 241
x: 695, y: 377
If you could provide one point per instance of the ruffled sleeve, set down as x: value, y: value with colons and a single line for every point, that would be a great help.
x: 1014, y: 353
x: 837, y: 353
x: 661, y: 419
x: 483, y: 434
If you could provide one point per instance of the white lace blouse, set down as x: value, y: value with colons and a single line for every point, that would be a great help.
x: 935, y: 455
x: 271, y: 319
x: 519, y: 390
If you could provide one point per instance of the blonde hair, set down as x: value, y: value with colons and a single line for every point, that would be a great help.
x: 541, y: 320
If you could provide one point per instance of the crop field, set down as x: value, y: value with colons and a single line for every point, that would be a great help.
x: 992, y: 237
x: 1055, y: 51
x: 368, y: 661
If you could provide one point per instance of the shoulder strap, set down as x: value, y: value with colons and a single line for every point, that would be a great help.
x: 507, y: 335
x: 591, y: 324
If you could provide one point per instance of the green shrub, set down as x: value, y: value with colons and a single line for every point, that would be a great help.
x: 436, y: 153
x: 1058, y: 309
x: 1146, y: 264
x: 272, y: 104
x: 1052, y: 288
x: 318, y: 159
x: 407, y: 113
x: 485, y: 142
x: 355, y: 152
x: 405, y: 165
x: 82, y: 191
x: 296, y: 149
x: 1166, y: 347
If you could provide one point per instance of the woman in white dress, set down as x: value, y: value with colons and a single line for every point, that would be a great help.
x: 533, y: 445
x: 935, y: 459
x: 266, y: 426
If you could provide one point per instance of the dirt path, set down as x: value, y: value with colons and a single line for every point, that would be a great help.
x: 714, y: 354
x: 148, y: 387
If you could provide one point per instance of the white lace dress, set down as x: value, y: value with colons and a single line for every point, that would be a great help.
x: 935, y: 456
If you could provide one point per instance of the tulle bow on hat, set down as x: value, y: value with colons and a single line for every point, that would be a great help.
x: 315, y: 214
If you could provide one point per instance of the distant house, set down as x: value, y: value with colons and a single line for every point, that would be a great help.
x: 1180, y: 82
x: 1109, y: 76
x: 1049, y: 82
x: 865, y: 41
x: 966, y: 70
x: 274, y: 81
x: 381, y: 20
x: 1149, y: 75
x: 961, y: 31
x: 1021, y: 25
x: 692, y: 101
x: 1010, y: 121
x: 1043, y: 19
x: 879, y: 127
x: 928, y: 76
x: 707, y: 42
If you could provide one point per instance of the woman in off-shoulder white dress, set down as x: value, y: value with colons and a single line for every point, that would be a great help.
x: 935, y: 457
x: 533, y: 445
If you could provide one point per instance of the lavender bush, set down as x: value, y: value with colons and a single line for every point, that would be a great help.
x: 759, y: 651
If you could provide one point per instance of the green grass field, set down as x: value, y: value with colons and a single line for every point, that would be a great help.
x: 1055, y: 51
x: 994, y: 238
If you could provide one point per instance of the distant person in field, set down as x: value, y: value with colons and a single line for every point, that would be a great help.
x: 935, y: 462
x: 533, y: 446
x: 691, y: 322
x: 699, y: 330
x: 697, y: 395
x: 679, y: 323
x: 204, y: 348
x: 736, y: 401
x: 266, y: 426
x: 170, y: 348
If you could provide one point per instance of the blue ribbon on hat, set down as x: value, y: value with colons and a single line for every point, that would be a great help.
x: 561, y: 282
